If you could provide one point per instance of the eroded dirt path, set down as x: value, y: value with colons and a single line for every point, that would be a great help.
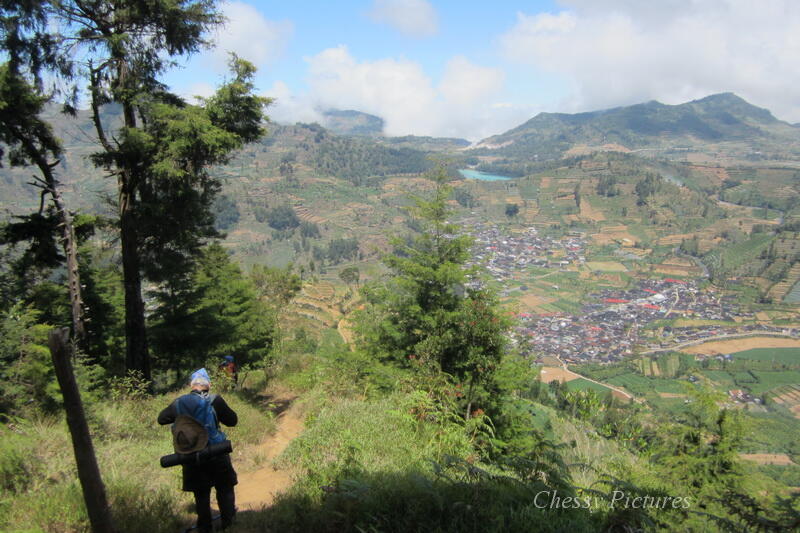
x: 258, y: 488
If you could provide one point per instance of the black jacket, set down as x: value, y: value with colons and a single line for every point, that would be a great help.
x: 217, y: 471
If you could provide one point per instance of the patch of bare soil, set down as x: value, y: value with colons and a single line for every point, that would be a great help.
x: 768, y: 458
x: 534, y: 301
x: 550, y: 373
x: 740, y: 345
x: 588, y: 211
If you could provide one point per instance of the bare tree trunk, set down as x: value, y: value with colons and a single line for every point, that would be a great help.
x: 94, y: 492
x: 49, y: 185
x: 73, y: 277
x: 468, y: 414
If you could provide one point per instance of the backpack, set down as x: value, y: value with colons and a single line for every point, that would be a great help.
x: 201, y: 426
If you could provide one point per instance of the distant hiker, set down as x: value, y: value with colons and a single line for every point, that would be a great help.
x: 195, y: 418
x: 229, y: 367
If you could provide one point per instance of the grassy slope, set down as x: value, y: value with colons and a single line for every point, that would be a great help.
x: 39, y: 480
x: 378, y: 463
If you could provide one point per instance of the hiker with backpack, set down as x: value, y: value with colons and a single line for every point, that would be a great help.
x: 229, y: 367
x: 195, y: 419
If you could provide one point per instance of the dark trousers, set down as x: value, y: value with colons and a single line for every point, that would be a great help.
x: 226, y: 500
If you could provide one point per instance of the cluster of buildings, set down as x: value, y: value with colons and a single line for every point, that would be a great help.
x: 503, y: 254
x: 613, y: 322
x: 743, y: 396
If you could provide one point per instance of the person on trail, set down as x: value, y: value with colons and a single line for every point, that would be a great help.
x: 229, y: 367
x: 198, y: 406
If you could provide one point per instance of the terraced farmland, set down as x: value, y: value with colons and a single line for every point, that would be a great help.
x: 781, y: 290
x: 316, y: 302
x: 304, y: 214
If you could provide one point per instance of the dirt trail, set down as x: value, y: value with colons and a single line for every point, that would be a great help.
x: 258, y: 488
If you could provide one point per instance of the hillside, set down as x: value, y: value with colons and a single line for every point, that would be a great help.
x: 352, y: 156
x: 719, y: 118
x: 350, y: 122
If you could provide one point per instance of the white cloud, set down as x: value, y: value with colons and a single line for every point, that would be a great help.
x: 250, y: 35
x: 465, y: 83
x: 400, y: 92
x: 416, y: 18
x: 617, y: 52
x: 197, y: 91
x: 288, y: 107
x: 396, y: 90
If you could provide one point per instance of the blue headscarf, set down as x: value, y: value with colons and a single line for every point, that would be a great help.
x: 200, y: 377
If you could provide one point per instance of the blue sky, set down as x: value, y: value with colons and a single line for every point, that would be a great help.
x: 475, y: 68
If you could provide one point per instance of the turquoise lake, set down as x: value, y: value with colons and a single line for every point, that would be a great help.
x: 478, y: 175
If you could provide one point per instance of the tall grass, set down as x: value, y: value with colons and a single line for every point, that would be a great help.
x: 40, y: 491
x: 370, y: 465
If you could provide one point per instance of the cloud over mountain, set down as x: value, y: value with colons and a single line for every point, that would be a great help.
x: 400, y: 92
x: 615, y: 52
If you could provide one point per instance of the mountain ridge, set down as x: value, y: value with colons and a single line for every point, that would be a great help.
x: 715, y: 118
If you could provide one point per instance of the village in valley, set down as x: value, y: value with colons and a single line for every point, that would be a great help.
x: 653, y: 314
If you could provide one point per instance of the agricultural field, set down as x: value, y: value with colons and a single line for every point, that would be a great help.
x: 787, y: 356
x: 643, y: 386
x: 780, y: 459
x: 606, y: 266
x: 549, y: 373
x: 767, y: 381
x: 741, y: 345
x: 789, y: 397
x: 585, y: 384
x: 772, y: 407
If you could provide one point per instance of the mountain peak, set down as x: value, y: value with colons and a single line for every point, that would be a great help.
x: 714, y: 118
x: 735, y: 105
x: 351, y: 122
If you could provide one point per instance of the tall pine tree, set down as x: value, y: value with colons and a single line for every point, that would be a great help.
x: 427, y: 313
x: 160, y: 153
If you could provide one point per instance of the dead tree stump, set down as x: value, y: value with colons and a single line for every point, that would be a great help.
x: 94, y: 492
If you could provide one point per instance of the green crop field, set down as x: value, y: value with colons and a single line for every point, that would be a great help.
x: 741, y: 253
x: 756, y: 381
x: 743, y: 378
x: 673, y: 406
x: 721, y: 378
x: 775, y: 432
x: 770, y: 380
x: 641, y: 385
x: 585, y: 384
x: 779, y: 355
